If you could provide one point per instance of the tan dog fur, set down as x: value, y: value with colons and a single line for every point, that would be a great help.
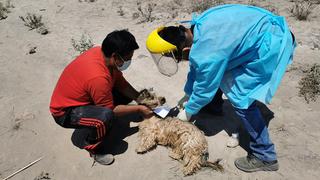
x: 188, y: 143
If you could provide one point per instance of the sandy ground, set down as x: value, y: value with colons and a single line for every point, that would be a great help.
x: 28, y: 131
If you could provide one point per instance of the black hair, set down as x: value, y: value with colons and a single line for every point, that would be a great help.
x: 192, y: 28
x: 121, y: 42
x: 176, y: 36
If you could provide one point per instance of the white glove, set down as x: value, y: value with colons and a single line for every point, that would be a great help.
x: 182, y: 102
x: 184, y: 116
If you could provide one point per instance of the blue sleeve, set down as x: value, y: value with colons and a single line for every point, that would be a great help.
x: 209, y: 57
x: 188, y: 88
x: 207, y: 81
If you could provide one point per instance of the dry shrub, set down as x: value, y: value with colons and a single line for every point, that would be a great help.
x: 268, y: 7
x: 200, y: 6
x: 174, y: 7
x: 303, y: 8
x: 145, y: 12
x: 4, y: 9
x: 34, y: 22
x: 120, y: 11
x: 42, y: 175
x: 87, y: 0
x: 83, y: 44
x: 309, y: 85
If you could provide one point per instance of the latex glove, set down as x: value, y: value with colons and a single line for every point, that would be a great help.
x: 184, y: 116
x: 182, y: 102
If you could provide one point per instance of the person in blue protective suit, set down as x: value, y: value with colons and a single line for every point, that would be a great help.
x: 239, y: 50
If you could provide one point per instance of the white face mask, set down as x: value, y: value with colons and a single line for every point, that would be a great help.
x: 124, y: 66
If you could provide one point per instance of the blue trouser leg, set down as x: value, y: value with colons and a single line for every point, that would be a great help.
x: 260, y: 143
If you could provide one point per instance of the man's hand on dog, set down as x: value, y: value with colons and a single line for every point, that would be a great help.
x: 145, y: 111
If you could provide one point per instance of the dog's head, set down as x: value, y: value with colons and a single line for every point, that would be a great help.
x: 149, y: 99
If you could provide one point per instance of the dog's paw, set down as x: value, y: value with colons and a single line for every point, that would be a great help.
x: 175, y: 156
x: 140, y: 150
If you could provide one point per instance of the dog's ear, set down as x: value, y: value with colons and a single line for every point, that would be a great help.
x: 143, y: 94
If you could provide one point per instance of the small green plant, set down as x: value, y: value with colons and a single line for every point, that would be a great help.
x: 83, y: 44
x: 302, y: 9
x: 34, y: 22
x: 146, y: 13
x: 309, y: 85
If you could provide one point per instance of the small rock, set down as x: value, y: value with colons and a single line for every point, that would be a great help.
x: 32, y: 50
x: 42, y: 30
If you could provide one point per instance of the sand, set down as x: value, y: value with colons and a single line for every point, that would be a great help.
x: 28, y: 131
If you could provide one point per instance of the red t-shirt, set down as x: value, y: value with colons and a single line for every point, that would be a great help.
x: 86, y: 80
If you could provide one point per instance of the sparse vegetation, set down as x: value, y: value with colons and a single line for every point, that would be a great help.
x: 87, y: 0
x: 174, y: 8
x: 145, y: 13
x: 309, y: 85
x: 303, y: 8
x: 268, y: 7
x: 135, y: 15
x: 120, y: 11
x: 42, y: 175
x: 200, y: 6
x: 83, y: 44
x: 34, y: 22
x: 4, y: 9
x: 16, y: 122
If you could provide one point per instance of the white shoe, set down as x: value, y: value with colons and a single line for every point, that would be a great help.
x: 233, y: 140
x: 103, y: 159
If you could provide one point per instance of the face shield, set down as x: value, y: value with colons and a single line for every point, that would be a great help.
x: 166, y: 63
x: 163, y: 53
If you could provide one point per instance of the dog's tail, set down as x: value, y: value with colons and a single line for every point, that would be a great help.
x: 214, y: 165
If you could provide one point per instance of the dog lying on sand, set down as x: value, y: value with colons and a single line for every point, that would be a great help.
x: 186, y: 141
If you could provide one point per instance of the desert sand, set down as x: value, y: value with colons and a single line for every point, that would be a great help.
x: 28, y: 132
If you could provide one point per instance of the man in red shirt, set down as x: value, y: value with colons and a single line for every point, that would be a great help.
x: 91, y: 91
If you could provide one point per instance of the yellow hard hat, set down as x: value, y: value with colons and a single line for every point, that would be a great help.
x: 155, y: 44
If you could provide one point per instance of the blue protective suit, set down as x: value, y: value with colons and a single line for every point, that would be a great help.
x: 242, y: 49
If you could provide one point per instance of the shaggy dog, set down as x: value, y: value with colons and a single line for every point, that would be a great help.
x: 188, y: 143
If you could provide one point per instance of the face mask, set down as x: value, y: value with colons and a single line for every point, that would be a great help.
x: 125, y: 64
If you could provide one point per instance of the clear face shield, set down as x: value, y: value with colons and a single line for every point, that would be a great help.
x: 167, y: 63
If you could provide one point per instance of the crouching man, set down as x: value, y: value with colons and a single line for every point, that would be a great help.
x: 91, y: 92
